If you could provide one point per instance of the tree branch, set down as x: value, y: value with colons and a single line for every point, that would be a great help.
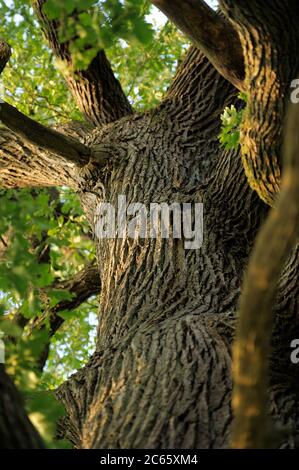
x: 252, y: 426
x: 16, y: 431
x: 48, y: 139
x: 25, y: 165
x: 83, y: 285
x: 211, y: 33
x: 97, y: 92
x: 5, y: 53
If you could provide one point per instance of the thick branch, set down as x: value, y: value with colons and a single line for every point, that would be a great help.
x: 48, y: 139
x: 97, y: 92
x: 272, y: 62
x: 252, y: 347
x: 25, y: 165
x: 211, y: 33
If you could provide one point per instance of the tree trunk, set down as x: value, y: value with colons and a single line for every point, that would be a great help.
x: 161, y: 374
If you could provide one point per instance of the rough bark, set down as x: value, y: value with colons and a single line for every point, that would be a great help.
x: 271, y: 63
x: 274, y: 244
x: 271, y: 59
x: 161, y: 374
x: 211, y: 33
x: 45, y: 138
x: 97, y: 92
x: 24, y: 165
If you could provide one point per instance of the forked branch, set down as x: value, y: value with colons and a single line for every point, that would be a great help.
x: 211, y: 33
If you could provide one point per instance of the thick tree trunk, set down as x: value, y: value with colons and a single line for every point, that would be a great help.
x: 161, y: 375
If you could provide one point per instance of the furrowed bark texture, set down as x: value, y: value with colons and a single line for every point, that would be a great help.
x: 24, y: 165
x: 271, y: 58
x: 45, y: 138
x: 97, y: 92
x: 161, y: 375
x: 252, y: 427
x: 211, y: 33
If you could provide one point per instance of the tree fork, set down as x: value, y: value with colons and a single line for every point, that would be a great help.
x: 12, y: 169
x: 211, y: 33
